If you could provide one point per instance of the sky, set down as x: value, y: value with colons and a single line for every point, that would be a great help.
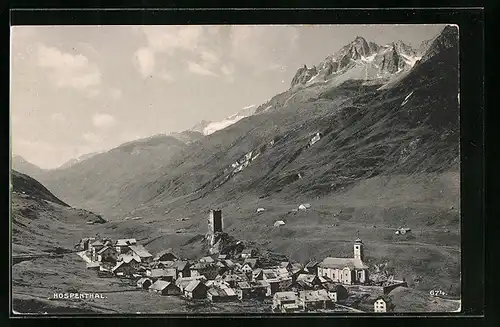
x: 83, y: 89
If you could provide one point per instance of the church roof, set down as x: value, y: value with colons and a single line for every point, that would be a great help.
x: 342, y: 263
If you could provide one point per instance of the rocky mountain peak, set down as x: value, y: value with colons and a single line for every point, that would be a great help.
x: 446, y: 39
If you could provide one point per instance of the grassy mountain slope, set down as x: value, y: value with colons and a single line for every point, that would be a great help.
x: 97, y: 182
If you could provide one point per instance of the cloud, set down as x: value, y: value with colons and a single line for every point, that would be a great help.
x: 228, y: 71
x: 168, y: 39
x: 259, y: 45
x: 58, y: 117
x: 199, y: 69
x: 146, y: 59
x: 91, y: 137
x: 166, y: 76
x: 116, y: 93
x: 103, y: 120
x: 73, y: 71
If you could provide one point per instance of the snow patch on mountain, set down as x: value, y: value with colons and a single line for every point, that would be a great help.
x: 216, y: 126
x: 410, y: 60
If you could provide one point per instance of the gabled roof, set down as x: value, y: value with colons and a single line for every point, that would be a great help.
x: 162, y: 272
x: 311, y: 264
x: 126, y: 241
x: 229, y: 263
x: 127, y: 258
x: 248, y: 251
x: 193, y: 285
x: 317, y: 295
x: 243, y: 285
x: 97, y: 243
x: 180, y: 265
x: 339, y: 263
x: 104, y: 249
x: 306, y: 278
x: 252, y: 262
x: 140, y: 250
x: 159, y: 285
x: 142, y: 280
x: 286, y: 296
x: 207, y: 259
x: 162, y: 253
x: 200, y: 265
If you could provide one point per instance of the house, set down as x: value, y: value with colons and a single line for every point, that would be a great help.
x: 196, y: 289
x: 222, y: 257
x: 127, y: 258
x: 278, y: 223
x: 141, y: 252
x: 247, y: 253
x: 202, y: 268
x: 107, y: 254
x: 123, y: 268
x: 286, y: 302
x: 283, y: 273
x: 219, y: 294
x: 383, y: 304
x: 315, y: 138
x: 229, y: 264
x: 163, y: 264
x: 269, y: 274
x: 252, y: 262
x: 93, y: 265
x: 231, y: 279
x: 168, y: 275
x: 183, y: 282
x: 307, y: 281
x: 247, y: 269
x: 164, y: 288
x: 313, y: 300
x: 346, y: 270
x: 144, y: 283
x: 340, y: 291
x: 312, y: 267
x: 165, y: 255
x: 259, y: 210
x: 249, y: 290
x: 304, y: 206
x: 257, y: 274
x: 182, y: 268
x: 286, y: 264
x: 207, y: 260
x: 122, y: 245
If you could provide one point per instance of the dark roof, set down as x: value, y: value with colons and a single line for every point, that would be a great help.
x: 243, y: 285
x: 342, y: 263
x: 162, y: 253
x: 252, y: 262
x: 311, y: 264
x: 140, y: 250
x: 106, y: 248
x: 192, y: 285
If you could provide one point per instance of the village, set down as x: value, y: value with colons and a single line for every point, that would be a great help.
x: 239, y: 273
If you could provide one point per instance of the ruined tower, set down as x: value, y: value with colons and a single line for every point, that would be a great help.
x: 215, y: 224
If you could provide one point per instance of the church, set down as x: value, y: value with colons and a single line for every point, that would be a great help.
x: 346, y: 270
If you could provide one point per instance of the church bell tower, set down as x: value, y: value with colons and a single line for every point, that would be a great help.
x: 358, y: 249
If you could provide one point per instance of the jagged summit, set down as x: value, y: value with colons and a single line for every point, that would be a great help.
x: 377, y: 61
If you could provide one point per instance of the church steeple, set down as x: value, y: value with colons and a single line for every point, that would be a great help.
x: 358, y: 248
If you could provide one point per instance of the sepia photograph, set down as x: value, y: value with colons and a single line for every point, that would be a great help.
x: 235, y: 169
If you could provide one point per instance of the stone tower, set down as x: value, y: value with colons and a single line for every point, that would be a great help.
x: 358, y: 249
x: 215, y: 224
